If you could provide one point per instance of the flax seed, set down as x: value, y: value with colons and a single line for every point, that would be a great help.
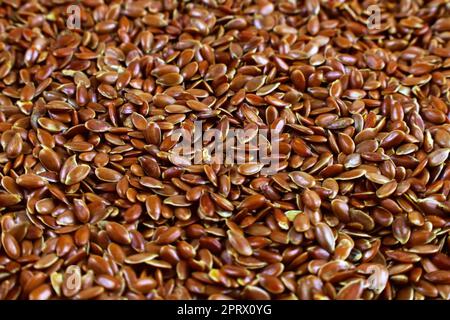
x: 98, y: 202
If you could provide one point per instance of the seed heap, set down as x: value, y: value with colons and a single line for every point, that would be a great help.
x: 94, y: 205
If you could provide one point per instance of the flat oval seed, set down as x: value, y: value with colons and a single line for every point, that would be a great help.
x: 249, y: 169
x: 239, y: 243
x: 302, y: 179
x: 117, y: 233
x: 168, y: 236
x: 10, y: 246
x: 253, y: 202
x: 387, y: 189
x: 377, y: 178
x: 77, y: 174
x: 108, y: 175
x: 97, y: 125
x: 140, y: 258
x: 325, y: 237
x: 43, y: 292
x: 31, y: 181
x: 438, y: 157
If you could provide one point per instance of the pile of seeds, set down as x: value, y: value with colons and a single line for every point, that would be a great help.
x: 95, y: 205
